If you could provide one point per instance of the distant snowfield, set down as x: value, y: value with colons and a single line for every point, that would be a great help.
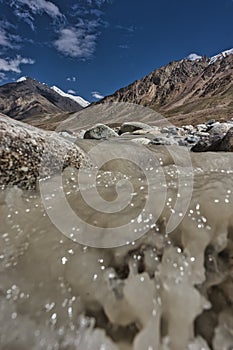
x: 221, y: 55
x: 77, y: 99
x: 21, y: 79
x: 194, y: 57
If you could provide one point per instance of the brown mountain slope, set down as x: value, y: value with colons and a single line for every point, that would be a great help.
x: 29, y: 98
x: 185, y: 91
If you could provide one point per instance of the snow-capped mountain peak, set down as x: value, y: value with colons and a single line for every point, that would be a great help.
x: 77, y: 99
x: 21, y: 79
x: 194, y: 57
x: 221, y: 56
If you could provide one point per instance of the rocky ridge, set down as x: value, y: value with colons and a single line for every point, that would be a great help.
x: 29, y: 98
x: 187, y: 91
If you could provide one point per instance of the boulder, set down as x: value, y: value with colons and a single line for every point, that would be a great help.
x: 141, y: 141
x: 188, y: 128
x: 67, y: 135
x: 172, y: 130
x: 220, y: 130
x: 133, y: 126
x: 203, y: 145
x: 164, y: 141
x: 201, y: 134
x: 140, y: 132
x: 183, y: 142
x: 226, y: 144
x: 201, y: 127
x: 24, y: 148
x: 214, y: 143
x: 100, y: 132
x: 191, y: 139
x: 210, y: 122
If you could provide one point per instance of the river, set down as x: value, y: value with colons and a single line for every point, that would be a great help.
x: 148, y: 267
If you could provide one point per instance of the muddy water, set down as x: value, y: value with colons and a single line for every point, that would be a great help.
x: 160, y: 289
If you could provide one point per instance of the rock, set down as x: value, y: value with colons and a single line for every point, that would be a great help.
x: 177, y: 140
x: 80, y: 134
x: 183, y: 132
x: 133, y: 126
x: 100, y: 132
x: 215, y: 144
x: 214, y: 140
x: 201, y: 127
x: 170, y: 130
x: 183, y: 143
x: 226, y: 144
x: 203, y: 145
x: 68, y: 135
x: 141, y: 140
x: 23, y: 148
x: 202, y: 134
x: 210, y: 122
x: 220, y: 130
x: 65, y: 132
x: 188, y: 128
x: 154, y: 131
x: 164, y: 130
x: 165, y: 141
x: 140, y: 132
x: 192, y: 139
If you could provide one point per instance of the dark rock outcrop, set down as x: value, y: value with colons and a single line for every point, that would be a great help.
x: 214, y: 143
x: 226, y: 144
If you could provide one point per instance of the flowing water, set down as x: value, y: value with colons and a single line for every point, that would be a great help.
x: 161, y: 279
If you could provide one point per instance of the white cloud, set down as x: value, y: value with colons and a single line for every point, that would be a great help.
x: 97, y: 95
x: 130, y: 29
x: 39, y: 7
x: 73, y: 79
x: 96, y: 12
x: 76, y: 42
x: 2, y: 76
x: 13, y: 64
x: 26, y: 16
x: 27, y: 9
x: 74, y: 39
x: 4, y: 40
x: 8, y: 40
x: 72, y: 92
x: 98, y: 3
x: 123, y: 46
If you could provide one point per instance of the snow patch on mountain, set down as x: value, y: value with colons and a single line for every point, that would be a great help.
x: 221, y: 56
x: 194, y: 57
x: 21, y: 79
x: 77, y: 99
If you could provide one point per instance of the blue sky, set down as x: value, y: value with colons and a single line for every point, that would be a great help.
x: 94, y: 47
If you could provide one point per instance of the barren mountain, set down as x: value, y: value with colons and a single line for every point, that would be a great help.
x: 192, y: 90
x: 28, y: 98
